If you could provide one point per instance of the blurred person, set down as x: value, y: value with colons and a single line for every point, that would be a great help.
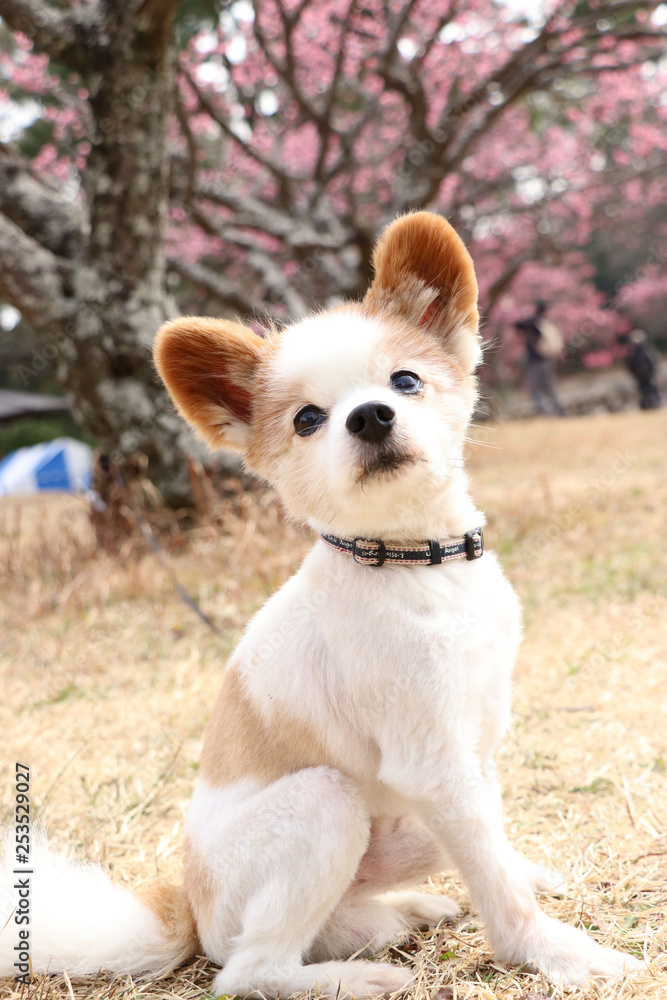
x: 642, y: 361
x: 543, y: 345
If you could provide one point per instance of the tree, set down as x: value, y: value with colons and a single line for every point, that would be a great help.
x: 298, y: 129
x: 82, y: 233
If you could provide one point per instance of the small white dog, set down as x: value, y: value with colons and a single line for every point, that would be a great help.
x: 350, y: 752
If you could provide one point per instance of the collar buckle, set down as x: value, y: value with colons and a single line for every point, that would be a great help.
x: 474, y: 542
x: 435, y: 550
x: 362, y: 555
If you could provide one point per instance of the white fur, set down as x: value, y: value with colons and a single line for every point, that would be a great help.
x: 79, y: 920
x: 344, y: 344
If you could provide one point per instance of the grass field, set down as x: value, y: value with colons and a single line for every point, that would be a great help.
x: 107, y: 679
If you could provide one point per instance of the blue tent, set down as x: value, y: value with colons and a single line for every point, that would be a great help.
x: 63, y: 464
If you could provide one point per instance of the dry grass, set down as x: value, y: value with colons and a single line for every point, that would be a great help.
x: 108, y: 678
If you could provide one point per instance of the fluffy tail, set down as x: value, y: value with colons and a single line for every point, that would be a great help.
x: 80, y: 922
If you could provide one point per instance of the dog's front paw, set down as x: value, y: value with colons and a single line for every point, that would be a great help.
x: 567, y: 956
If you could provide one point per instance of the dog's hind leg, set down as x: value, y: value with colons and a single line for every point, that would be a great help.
x: 264, y: 875
x: 400, y: 852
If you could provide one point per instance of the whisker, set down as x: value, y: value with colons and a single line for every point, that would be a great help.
x: 482, y: 444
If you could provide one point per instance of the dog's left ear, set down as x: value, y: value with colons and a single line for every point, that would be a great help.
x: 425, y: 275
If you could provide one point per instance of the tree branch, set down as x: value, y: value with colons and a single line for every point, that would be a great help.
x: 326, y: 130
x: 223, y: 290
x: 282, y: 179
x: 608, y: 12
x: 191, y: 163
x: 256, y: 214
x: 502, y: 283
x: 428, y: 43
x: 276, y: 284
x: 287, y: 70
x: 31, y: 279
x: 401, y: 78
x: 56, y: 224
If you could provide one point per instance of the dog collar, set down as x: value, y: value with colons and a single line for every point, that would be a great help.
x: 375, y: 552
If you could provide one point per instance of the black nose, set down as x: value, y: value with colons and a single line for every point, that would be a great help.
x: 371, y: 421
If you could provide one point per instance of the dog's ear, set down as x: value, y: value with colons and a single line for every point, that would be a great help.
x: 210, y: 368
x: 424, y: 274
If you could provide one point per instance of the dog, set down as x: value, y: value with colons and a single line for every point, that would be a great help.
x: 350, y: 752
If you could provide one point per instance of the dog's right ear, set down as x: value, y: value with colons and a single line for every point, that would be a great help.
x: 210, y: 368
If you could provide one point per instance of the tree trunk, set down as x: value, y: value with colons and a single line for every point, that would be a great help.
x: 122, y: 298
x: 100, y: 298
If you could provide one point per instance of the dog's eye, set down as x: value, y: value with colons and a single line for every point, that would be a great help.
x: 308, y: 419
x: 406, y: 382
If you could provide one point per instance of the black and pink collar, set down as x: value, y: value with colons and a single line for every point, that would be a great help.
x: 433, y: 552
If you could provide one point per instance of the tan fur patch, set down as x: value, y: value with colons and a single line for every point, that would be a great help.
x: 198, y: 884
x: 170, y: 905
x: 239, y: 744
